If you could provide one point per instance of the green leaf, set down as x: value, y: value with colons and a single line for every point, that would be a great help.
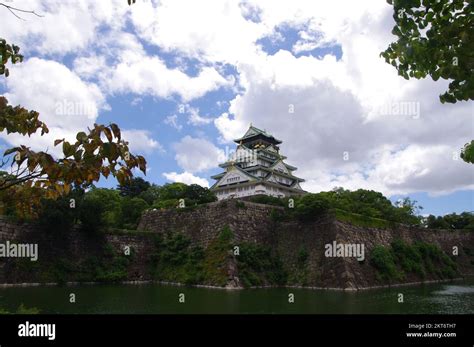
x: 10, y: 151
x: 81, y: 137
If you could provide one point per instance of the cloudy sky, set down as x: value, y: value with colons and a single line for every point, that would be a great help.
x: 184, y: 78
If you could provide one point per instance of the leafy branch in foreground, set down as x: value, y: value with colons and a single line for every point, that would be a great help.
x: 436, y: 38
x: 467, y: 153
x: 8, y: 52
x: 101, y: 152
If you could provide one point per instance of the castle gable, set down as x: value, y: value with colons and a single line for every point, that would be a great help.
x: 234, y: 176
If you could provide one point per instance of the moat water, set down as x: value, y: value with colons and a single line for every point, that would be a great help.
x: 447, y: 298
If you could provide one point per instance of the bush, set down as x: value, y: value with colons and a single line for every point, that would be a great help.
x: 259, y: 266
x: 303, y: 256
x: 364, y: 203
x: 175, y: 260
x: 419, y: 258
x: 226, y: 235
x: 408, y: 256
x: 310, y: 207
x: 169, y: 203
x: 240, y: 204
x: 382, y: 259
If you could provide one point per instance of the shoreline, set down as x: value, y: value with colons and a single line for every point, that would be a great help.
x: 177, y: 284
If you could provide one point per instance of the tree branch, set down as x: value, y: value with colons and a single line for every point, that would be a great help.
x: 12, y: 9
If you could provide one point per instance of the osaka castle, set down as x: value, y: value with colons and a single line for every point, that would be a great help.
x: 256, y: 168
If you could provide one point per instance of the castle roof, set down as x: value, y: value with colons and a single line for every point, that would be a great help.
x: 256, y: 133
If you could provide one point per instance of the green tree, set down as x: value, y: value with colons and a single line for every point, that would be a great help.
x: 108, y: 203
x: 434, y: 222
x: 132, y: 209
x: 364, y: 202
x: 198, y: 194
x: 57, y: 215
x: 311, y: 206
x: 133, y: 187
x: 464, y: 220
x: 172, y: 191
x: 151, y: 194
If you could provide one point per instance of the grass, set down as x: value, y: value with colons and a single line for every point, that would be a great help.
x: 21, y: 310
x: 340, y: 215
x: 361, y: 220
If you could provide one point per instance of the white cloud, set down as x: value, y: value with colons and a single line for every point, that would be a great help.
x: 119, y: 63
x: 89, y: 67
x: 141, y: 141
x: 231, y: 127
x: 149, y: 75
x: 64, y: 27
x: 186, y: 177
x: 57, y: 93
x: 194, y: 32
x: 197, y: 155
x: 196, y: 119
x: 65, y: 102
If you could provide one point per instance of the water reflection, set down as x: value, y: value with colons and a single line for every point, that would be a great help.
x: 452, y: 298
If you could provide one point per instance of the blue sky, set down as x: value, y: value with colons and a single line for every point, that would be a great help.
x: 182, y: 85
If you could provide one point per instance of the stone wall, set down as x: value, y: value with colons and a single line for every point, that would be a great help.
x: 249, y: 222
x: 75, y: 246
x: 291, y: 237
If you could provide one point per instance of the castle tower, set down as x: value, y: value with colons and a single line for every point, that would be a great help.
x: 256, y: 168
